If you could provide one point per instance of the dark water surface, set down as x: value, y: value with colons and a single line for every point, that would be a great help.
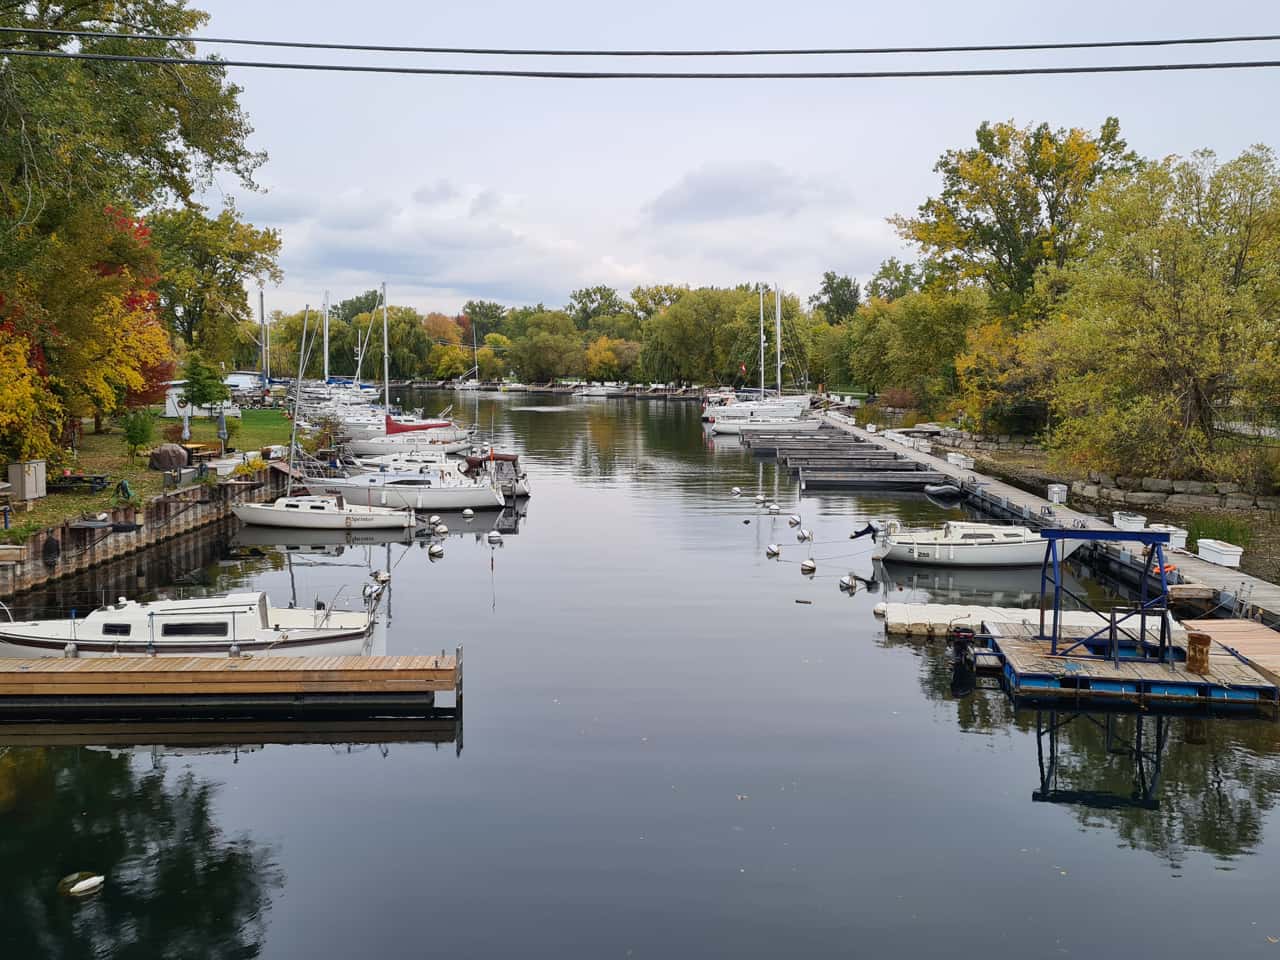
x: 665, y: 755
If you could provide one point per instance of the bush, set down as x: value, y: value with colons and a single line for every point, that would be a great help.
x: 1216, y: 527
x: 249, y: 468
x: 172, y: 432
x: 139, y: 429
x: 899, y: 398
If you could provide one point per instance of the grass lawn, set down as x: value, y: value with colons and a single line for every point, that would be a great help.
x: 106, y: 453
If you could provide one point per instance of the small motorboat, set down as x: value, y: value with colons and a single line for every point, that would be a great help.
x: 966, y: 544
x: 502, y: 468
x: 323, y: 513
x: 205, y: 626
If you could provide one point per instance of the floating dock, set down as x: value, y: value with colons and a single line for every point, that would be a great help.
x: 125, y: 688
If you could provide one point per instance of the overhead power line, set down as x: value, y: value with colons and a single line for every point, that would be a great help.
x: 648, y: 74
x: 756, y: 52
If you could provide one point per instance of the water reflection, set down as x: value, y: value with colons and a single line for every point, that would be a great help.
x: 177, y: 885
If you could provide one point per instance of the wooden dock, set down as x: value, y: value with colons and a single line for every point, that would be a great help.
x: 1254, y: 642
x: 193, y: 687
x: 1031, y: 673
x: 441, y: 726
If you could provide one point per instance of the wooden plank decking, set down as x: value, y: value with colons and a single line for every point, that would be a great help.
x: 1257, y: 643
x: 190, y: 687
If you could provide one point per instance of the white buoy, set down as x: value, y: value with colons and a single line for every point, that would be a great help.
x: 761, y: 498
x: 774, y: 508
x: 468, y: 513
x: 494, y: 537
x: 772, y: 550
x: 82, y: 884
x: 794, y: 520
x: 847, y: 583
x: 880, y: 609
x: 435, y: 551
x: 440, y: 529
x: 808, y: 566
x: 802, y: 535
x: 434, y: 519
x: 736, y: 491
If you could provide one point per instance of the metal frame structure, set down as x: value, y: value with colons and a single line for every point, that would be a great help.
x: 1158, y: 605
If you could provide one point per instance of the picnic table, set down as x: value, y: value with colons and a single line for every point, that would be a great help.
x: 78, y: 483
x: 199, y: 452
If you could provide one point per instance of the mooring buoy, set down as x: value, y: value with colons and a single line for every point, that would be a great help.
x: 772, y: 550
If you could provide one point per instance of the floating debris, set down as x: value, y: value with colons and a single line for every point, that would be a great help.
x: 807, y: 603
x: 81, y: 884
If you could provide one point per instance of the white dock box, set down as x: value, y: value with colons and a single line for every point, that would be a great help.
x: 1057, y: 493
x: 1177, y: 535
x: 1124, y: 520
x: 1219, y: 552
x: 27, y: 478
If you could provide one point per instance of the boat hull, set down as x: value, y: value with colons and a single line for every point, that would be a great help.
x: 330, y: 643
x: 266, y: 515
x: 418, y: 498
x: 1029, y: 553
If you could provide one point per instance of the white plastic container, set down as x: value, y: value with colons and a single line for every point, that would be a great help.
x: 1124, y: 520
x: 923, y: 446
x: 1219, y: 552
x: 1058, y: 493
x: 1177, y: 535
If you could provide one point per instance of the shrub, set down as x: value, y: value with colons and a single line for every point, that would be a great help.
x: 139, y: 430
x: 172, y: 432
x: 249, y: 468
x: 1217, y: 527
x: 900, y: 398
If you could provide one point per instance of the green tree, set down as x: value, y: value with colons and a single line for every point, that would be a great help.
x: 895, y: 279
x: 837, y: 297
x: 1012, y: 204
x: 139, y: 430
x: 1165, y: 330
x: 204, y: 384
x: 205, y: 264
x: 485, y: 316
x: 591, y: 302
x: 352, y: 307
x: 652, y: 300
x: 551, y: 348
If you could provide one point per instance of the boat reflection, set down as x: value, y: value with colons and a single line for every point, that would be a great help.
x: 997, y: 587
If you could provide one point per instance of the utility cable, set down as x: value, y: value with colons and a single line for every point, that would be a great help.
x: 750, y: 52
x: 650, y: 74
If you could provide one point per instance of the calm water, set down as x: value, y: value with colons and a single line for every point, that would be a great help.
x: 665, y: 755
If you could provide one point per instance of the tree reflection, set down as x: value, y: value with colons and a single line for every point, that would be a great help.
x: 1168, y: 785
x: 177, y: 887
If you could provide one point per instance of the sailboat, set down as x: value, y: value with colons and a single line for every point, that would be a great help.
x: 317, y: 512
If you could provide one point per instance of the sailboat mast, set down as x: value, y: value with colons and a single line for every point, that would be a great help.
x: 475, y: 354
x: 326, y: 337
x: 777, y: 330
x: 760, y: 290
x: 387, y: 360
x: 297, y: 396
x: 262, y: 341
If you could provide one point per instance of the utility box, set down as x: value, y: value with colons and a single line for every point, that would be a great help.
x: 1058, y: 493
x: 27, y: 480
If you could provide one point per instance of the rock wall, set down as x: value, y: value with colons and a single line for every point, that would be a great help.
x: 964, y: 440
x: 1171, y: 494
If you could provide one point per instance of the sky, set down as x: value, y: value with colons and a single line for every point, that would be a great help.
x: 523, y: 190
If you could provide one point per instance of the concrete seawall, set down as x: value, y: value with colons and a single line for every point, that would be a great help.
x: 64, y: 550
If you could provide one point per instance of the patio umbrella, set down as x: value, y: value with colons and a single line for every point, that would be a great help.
x: 222, y: 429
x: 186, y: 425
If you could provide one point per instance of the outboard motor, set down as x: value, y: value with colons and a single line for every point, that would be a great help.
x: 870, y: 528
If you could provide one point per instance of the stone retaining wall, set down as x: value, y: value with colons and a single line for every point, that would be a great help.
x: 1172, y: 494
x: 25, y: 566
x: 964, y: 440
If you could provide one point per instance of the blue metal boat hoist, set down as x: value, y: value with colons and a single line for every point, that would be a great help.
x: 1112, y: 640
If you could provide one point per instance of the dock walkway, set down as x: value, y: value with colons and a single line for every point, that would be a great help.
x: 125, y: 687
x: 1246, y: 595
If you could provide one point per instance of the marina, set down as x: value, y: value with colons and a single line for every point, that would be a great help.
x: 563, y: 717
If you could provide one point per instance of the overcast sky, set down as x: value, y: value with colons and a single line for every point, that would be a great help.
x: 522, y: 190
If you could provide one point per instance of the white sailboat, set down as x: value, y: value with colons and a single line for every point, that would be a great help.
x: 322, y: 513
x: 963, y: 544
x: 208, y: 626
x: 423, y: 490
